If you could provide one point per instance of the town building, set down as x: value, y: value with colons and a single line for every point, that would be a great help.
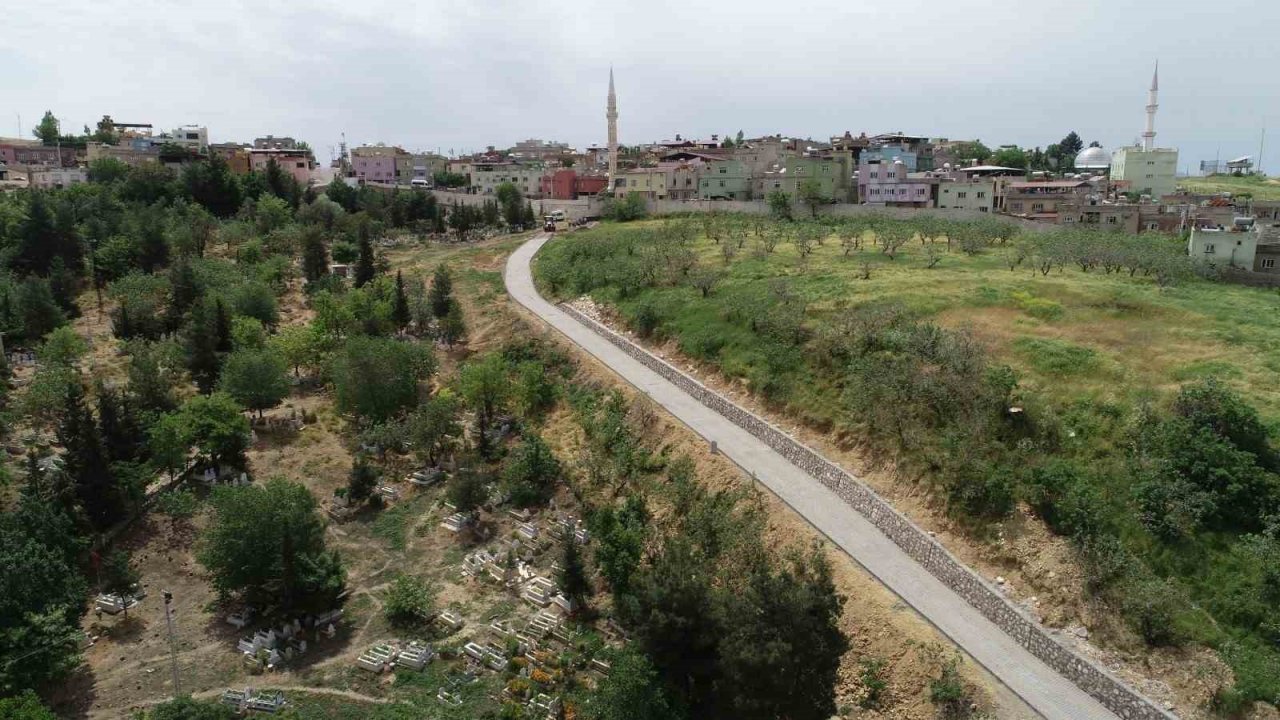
x: 297, y: 163
x: 378, y: 163
x: 271, y: 142
x: 16, y: 153
x: 192, y: 138
x: 236, y: 155
x: 426, y: 165
x: 487, y: 176
x: 650, y: 183
x: 1145, y: 169
x: 534, y: 150
x: 132, y: 153
x: 891, y: 184
x: 567, y: 184
x: 56, y: 177
x: 1039, y: 200
x: 1246, y: 245
x: 725, y: 179
x: 1093, y: 160
x: 1112, y: 216
x: 832, y: 175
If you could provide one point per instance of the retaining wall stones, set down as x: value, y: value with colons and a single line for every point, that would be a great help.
x: 1111, y: 692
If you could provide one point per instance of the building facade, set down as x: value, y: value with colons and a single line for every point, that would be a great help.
x: 980, y: 194
x: 651, y: 183
x: 56, y: 177
x: 1040, y: 200
x: 297, y: 163
x: 725, y: 179
x: 487, y: 176
x: 1147, y: 172
x: 376, y: 163
x: 830, y: 173
x: 130, y: 154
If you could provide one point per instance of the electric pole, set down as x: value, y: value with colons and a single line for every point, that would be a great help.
x: 173, y: 652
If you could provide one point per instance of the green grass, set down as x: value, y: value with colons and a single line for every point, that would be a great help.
x: 1088, y: 349
x: 392, y: 524
x: 1259, y: 188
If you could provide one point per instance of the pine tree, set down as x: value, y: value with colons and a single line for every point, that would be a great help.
x: 36, y: 236
x: 87, y: 464
x: 202, y: 348
x: 400, y: 306
x: 452, y: 326
x: 362, y: 480
x: 365, y: 269
x: 63, y: 283
x: 441, y: 293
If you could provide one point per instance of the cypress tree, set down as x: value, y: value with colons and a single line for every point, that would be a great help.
x: 87, y: 464
x: 221, y: 326
x: 315, y: 257
x: 400, y: 307
x: 365, y: 270
x: 119, y: 425
x: 202, y: 348
x: 182, y: 293
x: 441, y: 293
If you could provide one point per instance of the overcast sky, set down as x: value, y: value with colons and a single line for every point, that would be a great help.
x: 428, y: 74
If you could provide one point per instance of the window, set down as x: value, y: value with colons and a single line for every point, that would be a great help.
x: 724, y: 170
x: 1112, y: 219
x: 721, y: 183
x: 1037, y: 206
x: 1268, y: 263
x: 981, y: 194
x: 1209, y: 248
x: 1153, y: 226
x: 1017, y: 206
x: 301, y: 164
x: 962, y: 195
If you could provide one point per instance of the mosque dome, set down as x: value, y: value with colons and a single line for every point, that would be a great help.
x: 1093, y: 158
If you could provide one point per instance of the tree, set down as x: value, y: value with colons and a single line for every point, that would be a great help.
x: 484, y: 388
x: 365, y: 269
x: 1068, y: 148
x: 300, y: 346
x: 378, y: 378
x: 535, y: 390
x: 119, y: 425
x: 255, y: 300
x: 212, y: 184
x: 152, y: 369
x: 408, y: 602
x: 632, y: 691
x: 39, y: 311
x: 47, y: 129
x: 362, y: 479
x: 738, y: 140
x: 202, y: 347
x: 266, y: 544
x: 434, y: 428
x: 779, y: 205
x: 1010, y: 156
x: 37, y: 236
x: 573, y: 573
x: 400, y: 314
x: 810, y: 193
x: 119, y: 576
x: 255, y: 378
x: 631, y: 207
x: 971, y: 152
x: 441, y: 294
x: 214, y: 426
x: 103, y: 501
x: 315, y: 256
x: 41, y: 592
x: 26, y: 706
x: 531, y: 472
x: 466, y: 491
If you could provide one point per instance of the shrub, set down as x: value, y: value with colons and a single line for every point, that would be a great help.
x: 1056, y: 357
x: 409, y: 601
x: 1037, y: 307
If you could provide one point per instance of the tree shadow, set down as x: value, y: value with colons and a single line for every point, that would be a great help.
x: 73, y: 697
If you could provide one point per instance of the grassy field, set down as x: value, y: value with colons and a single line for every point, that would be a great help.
x: 1259, y: 188
x: 1090, y: 351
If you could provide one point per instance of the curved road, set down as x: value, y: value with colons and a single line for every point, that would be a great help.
x: 1050, y: 694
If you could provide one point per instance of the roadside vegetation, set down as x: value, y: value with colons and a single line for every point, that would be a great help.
x: 1254, y: 186
x: 1103, y: 380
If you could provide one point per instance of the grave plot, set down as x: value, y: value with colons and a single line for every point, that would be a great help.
x: 270, y: 648
x: 246, y: 701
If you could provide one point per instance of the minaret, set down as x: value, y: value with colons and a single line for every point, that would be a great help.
x: 1149, y: 135
x: 611, y: 112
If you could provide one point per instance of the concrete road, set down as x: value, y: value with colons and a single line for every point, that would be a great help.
x: 1050, y: 694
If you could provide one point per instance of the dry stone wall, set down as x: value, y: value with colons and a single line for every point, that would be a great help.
x: 1111, y: 692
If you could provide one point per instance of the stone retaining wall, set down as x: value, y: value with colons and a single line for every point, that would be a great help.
x: 1111, y: 692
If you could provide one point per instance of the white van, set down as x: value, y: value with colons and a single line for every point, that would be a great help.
x: 420, y: 182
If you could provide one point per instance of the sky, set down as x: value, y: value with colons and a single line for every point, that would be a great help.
x: 459, y: 76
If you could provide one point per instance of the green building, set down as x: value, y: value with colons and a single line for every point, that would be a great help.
x: 726, y: 179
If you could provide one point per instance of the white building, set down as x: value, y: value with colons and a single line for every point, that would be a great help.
x: 1146, y: 169
x: 1234, y: 248
x: 57, y: 177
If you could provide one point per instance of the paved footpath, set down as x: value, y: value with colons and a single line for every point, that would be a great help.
x: 1050, y: 694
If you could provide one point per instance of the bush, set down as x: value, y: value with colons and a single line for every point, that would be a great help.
x: 1037, y: 307
x: 409, y: 601
x: 1158, y: 610
x: 981, y: 490
x: 531, y: 473
x: 631, y: 207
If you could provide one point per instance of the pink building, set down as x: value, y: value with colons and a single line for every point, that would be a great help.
x: 378, y: 163
x: 889, y: 184
x: 297, y: 163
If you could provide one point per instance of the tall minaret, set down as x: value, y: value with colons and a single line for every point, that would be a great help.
x: 611, y: 112
x: 1149, y: 135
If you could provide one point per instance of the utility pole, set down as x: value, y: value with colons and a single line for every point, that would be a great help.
x: 173, y: 652
x: 1262, y: 143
